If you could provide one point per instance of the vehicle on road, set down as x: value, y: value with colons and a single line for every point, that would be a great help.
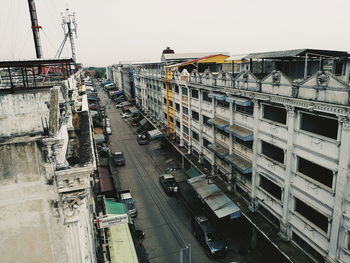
x: 209, y: 237
x: 108, y: 130
x: 168, y: 182
x: 142, y: 139
x: 118, y: 158
x: 126, y: 198
x: 119, y: 105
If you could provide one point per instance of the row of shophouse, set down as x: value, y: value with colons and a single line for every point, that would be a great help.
x: 273, y: 126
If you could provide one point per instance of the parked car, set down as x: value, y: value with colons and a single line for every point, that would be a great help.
x: 118, y: 158
x: 126, y: 115
x: 142, y: 139
x: 108, y: 130
x: 126, y: 198
x: 167, y: 181
x: 209, y: 237
x: 119, y: 105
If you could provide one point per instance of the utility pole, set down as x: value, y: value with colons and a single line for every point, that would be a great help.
x: 35, y: 28
x: 70, y: 28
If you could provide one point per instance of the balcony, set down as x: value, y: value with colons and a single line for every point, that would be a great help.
x: 239, y: 163
x: 240, y: 132
x: 218, y: 149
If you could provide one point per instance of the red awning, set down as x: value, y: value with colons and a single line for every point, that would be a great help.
x: 106, y: 183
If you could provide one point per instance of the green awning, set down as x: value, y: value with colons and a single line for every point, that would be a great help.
x: 240, y: 132
x: 192, y: 172
x: 218, y: 122
x: 217, y: 96
x: 239, y: 163
x: 116, y: 208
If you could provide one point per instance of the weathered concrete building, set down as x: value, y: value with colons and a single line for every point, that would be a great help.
x: 276, y: 130
x: 46, y: 163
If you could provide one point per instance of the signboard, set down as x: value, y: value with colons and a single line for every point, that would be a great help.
x: 112, y: 220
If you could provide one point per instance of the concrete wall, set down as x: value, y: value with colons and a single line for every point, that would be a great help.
x: 22, y: 113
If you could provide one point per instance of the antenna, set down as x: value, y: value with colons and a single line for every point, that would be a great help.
x: 69, y: 26
x: 35, y: 28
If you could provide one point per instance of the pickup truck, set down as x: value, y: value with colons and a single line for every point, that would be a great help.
x: 126, y: 198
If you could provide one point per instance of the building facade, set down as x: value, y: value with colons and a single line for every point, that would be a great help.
x: 277, y: 132
x: 46, y: 165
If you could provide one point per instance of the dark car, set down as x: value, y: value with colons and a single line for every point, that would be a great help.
x: 209, y: 237
x: 142, y: 139
x: 167, y: 181
x: 118, y: 158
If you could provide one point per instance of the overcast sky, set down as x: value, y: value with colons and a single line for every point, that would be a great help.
x: 114, y: 30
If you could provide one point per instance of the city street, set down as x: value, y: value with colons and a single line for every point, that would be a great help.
x: 164, y: 219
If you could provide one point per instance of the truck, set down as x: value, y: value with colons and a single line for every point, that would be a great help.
x: 126, y: 198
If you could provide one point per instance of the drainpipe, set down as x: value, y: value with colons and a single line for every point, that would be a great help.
x: 305, y: 67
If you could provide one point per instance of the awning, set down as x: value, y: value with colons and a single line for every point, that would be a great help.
x: 126, y: 103
x: 219, y: 149
x: 217, y: 201
x: 192, y: 172
x: 239, y: 163
x: 239, y: 101
x: 119, y: 92
x: 143, y: 122
x: 106, y: 183
x: 134, y: 110
x: 240, y: 132
x: 217, y: 96
x: 116, y: 208
x: 218, y: 122
x: 106, y: 82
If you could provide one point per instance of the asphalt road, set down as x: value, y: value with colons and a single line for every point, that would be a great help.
x: 164, y: 219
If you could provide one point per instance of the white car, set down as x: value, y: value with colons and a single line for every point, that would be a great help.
x: 119, y: 105
x: 109, y: 130
x: 126, y: 115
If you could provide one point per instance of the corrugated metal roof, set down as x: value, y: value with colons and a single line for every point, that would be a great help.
x: 106, y: 183
x: 297, y: 52
x: 217, y: 201
x: 192, y: 55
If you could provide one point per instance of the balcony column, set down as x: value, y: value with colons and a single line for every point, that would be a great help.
x: 343, y: 171
x: 189, y: 120
x: 231, y: 123
x: 200, y: 97
x: 284, y: 224
x: 256, y: 114
x: 181, y: 112
x: 213, y: 170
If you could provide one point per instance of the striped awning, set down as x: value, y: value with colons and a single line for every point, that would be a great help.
x: 239, y: 163
x: 220, y: 123
x: 219, y: 149
x: 240, y: 132
x: 239, y: 101
x: 217, y: 96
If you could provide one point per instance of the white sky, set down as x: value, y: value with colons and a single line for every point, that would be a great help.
x: 114, y: 30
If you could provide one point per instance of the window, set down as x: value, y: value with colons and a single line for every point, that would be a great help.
x: 205, y: 120
x: 222, y: 103
x: 195, y: 136
x: 273, y: 152
x: 178, y: 124
x: 270, y: 187
x: 194, y: 93
x: 205, y: 97
x: 316, y: 172
x: 311, y: 214
x: 184, y: 110
x: 205, y: 143
x: 248, y: 144
x: 170, y: 103
x: 177, y: 89
x: 195, y: 115
x: 319, y: 125
x: 165, y: 116
x: 277, y: 114
x: 164, y: 101
x: 177, y: 106
x: 248, y: 110
x: 184, y: 91
x: 171, y: 119
x: 306, y: 247
x: 185, y: 129
x: 223, y: 133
